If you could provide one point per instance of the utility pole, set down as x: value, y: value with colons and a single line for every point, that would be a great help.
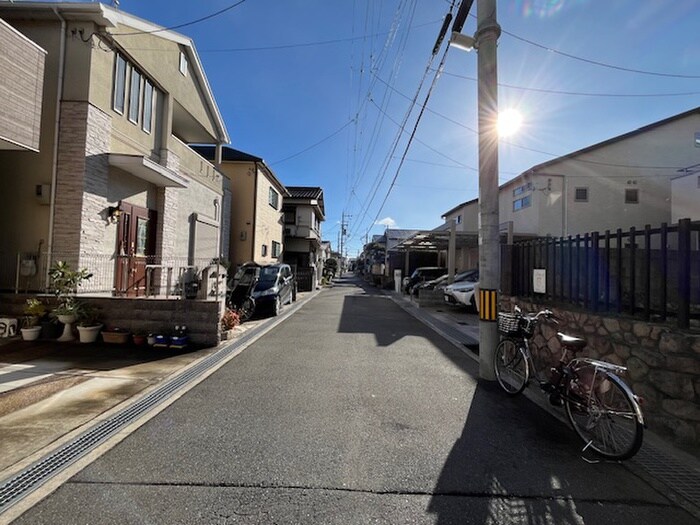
x: 487, y: 34
x: 485, y: 41
x: 343, y: 233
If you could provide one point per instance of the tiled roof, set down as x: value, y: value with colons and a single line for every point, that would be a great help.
x: 305, y: 192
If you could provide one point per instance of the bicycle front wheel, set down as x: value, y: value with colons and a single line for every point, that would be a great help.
x: 602, y: 412
x: 247, y: 308
x: 511, y: 367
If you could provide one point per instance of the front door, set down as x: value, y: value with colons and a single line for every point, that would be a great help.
x: 135, y: 244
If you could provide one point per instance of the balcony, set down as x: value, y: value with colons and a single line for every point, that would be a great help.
x: 195, y: 166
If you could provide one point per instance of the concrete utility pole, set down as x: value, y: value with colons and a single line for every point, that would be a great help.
x: 487, y: 34
x: 485, y: 40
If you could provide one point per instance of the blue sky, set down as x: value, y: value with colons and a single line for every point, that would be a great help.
x: 318, y: 88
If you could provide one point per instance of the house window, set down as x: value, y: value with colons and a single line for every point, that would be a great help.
x: 183, y: 64
x: 522, y: 189
x: 147, y: 106
x: 632, y: 196
x: 135, y: 96
x: 119, y: 84
x: 263, y: 251
x: 458, y: 219
x: 290, y: 216
x: 276, y: 249
x: 273, y: 198
x: 519, y: 204
x: 581, y: 195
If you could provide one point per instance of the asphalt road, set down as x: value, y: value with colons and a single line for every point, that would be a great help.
x: 352, y: 412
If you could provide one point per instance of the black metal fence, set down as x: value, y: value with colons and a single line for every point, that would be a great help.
x: 652, y: 274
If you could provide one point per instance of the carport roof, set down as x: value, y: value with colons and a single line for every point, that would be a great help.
x: 435, y: 240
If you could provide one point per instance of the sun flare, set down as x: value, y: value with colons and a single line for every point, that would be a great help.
x: 509, y: 122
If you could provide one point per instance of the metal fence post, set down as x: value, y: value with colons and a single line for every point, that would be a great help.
x: 684, y: 273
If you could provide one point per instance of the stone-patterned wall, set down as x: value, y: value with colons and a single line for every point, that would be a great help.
x: 663, y: 364
x: 81, y: 189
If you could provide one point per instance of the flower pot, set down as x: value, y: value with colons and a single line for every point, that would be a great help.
x: 151, y: 340
x: 89, y: 334
x: 115, y: 337
x: 139, y: 340
x: 31, y: 333
x: 67, y: 321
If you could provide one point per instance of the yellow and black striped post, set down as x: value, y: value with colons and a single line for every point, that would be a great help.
x: 488, y: 305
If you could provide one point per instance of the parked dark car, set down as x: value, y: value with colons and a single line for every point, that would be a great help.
x: 424, y: 273
x: 276, y: 287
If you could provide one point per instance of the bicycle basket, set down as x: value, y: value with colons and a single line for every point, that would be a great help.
x: 508, y: 324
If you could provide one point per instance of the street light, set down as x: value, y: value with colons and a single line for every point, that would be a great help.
x: 485, y: 41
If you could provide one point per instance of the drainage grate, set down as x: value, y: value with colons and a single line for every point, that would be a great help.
x: 31, y: 478
x: 678, y: 476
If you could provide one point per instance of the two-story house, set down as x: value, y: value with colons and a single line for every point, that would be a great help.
x: 255, y: 229
x: 304, y: 211
x: 634, y: 179
x: 114, y: 187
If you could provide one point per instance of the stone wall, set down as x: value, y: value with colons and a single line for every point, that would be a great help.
x: 663, y: 363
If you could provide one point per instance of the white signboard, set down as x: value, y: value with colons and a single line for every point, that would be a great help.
x: 539, y: 281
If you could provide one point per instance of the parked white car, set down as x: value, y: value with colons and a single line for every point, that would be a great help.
x: 463, y: 291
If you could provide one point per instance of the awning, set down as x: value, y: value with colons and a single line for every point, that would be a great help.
x: 148, y: 170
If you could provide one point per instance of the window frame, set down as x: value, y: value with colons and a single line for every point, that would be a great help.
x: 576, y: 194
x: 119, y: 95
x: 522, y: 203
x: 276, y: 249
x: 184, y: 64
x: 263, y: 250
x: 273, y: 198
x: 289, y: 213
x: 147, y: 106
x: 628, y: 193
x: 138, y: 76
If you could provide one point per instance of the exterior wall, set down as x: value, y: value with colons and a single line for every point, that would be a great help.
x: 21, y: 89
x: 663, y: 366
x: 81, y: 185
x: 161, y: 59
x: 685, y: 198
x: 268, y: 220
x: 242, y: 178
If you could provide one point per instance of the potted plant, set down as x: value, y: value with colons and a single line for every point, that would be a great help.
x: 229, y: 322
x: 139, y: 339
x: 116, y: 335
x: 89, y: 325
x: 34, y: 310
x: 65, y: 283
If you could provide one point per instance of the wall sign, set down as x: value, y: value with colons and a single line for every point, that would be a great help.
x: 539, y: 281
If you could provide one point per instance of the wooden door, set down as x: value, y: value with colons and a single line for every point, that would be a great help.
x: 135, y: 248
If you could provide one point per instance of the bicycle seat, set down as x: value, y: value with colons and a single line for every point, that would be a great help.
x: 573, y: 343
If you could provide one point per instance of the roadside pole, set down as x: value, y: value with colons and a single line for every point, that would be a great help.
x: 487, y: 34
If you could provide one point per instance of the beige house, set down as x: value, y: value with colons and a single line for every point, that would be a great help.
x: 304, y: 211
x: 630, y: 180
x: 21, y: 89
x: 255, y: 230
x: 114, y: 186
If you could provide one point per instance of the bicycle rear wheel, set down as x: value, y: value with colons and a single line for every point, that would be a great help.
x: 602, y: 412
x: 511, y: 367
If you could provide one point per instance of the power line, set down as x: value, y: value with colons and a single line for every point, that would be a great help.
x: 596, y: 62
x: 315, y: 144
x: 308, y: 44
x: 580, y: 93
x: 185, y: 24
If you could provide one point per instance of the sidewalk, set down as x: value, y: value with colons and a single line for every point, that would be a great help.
x: 50, y: 389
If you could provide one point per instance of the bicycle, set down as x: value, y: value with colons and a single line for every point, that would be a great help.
x: 601, y: 408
